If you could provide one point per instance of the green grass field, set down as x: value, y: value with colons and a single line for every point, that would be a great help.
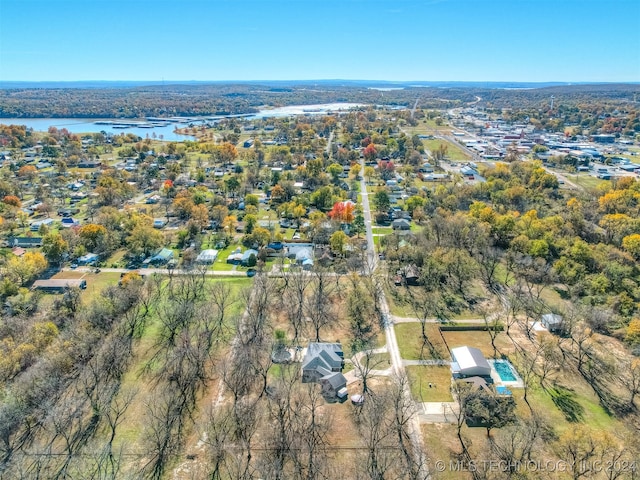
x: 439, y: 377
x: 396, y: 307
x: 454, y: 153
x: 413, y: 347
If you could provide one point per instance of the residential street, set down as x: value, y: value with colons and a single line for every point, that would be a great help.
x: 161, y: 271
x: 372, y: 258
x: 397, y: 366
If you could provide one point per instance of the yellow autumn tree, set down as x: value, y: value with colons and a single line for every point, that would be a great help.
x: 23, y: 269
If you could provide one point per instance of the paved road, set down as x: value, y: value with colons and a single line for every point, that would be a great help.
x: 372, y: 258
x: 329, y: 145
x: 161, y: 271
x: 397, y: 367
x: 397, y: 319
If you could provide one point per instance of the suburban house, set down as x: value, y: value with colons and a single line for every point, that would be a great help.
x: 552, y: 322
x: 334, y: 386
x: 59, y: 285
x: 35, y: 226
x: 304, y: 257
x: 235, y: 257
x: 401, y: 224
x: 68, y: 222
x: 293, y: 248
x: 25, y: 242
x: 247, y: 255
x: 469, y: 362
x: 88, y: 259
x: 207, y: 256
x: 160, y: 258
x: 89, y: 164
x: 323, y: 364
x: 408, y: 275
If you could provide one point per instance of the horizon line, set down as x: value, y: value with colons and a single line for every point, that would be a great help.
x: 567, y: 82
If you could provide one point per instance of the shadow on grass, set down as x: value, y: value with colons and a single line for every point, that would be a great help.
x: 564, y: 399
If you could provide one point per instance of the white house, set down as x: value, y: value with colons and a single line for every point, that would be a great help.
x: 207, y: 256
x: 469, y: 362
x: 551, y: 322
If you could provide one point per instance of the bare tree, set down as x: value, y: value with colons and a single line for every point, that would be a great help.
x: 318, y: 306
x: 163, y: 432
x: 489, y: 259
x: 526, y: 361
x: 114, y: 416
x: 365, y: 363
x: 517, y: 444
x: 404, y: 411
x: 310, y: 426
x: 218, y: 433
x: 294, y: 301
x: 280, y: 415
x: 630, y: 376
x: 259, y: 300
x: 494, y: 326
x: 460, y: 392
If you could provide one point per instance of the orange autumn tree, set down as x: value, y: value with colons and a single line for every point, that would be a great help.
x: 342, y: 212
x: 12, y: 200
x: 370, y: 152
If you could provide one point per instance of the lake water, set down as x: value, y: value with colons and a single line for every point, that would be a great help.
x: 319, y: 109
x: 88, y: 125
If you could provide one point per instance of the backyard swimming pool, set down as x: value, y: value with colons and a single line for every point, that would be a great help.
x: 505, y: 371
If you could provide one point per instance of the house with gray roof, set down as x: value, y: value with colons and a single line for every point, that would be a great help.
x: 332, y: 384
x: 25, y: 242
x: 323, y: 364
x: 401, y: 224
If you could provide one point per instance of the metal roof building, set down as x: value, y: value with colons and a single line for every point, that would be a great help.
x: 469, y: 361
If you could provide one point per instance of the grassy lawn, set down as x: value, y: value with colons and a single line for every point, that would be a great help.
x: 396, y: 307
x: 420, y: 377
x: 223, y: 266
x: 465, y: 314
x: 426, y: 127
x: 411, y: 345
x: 440, y: 443
x: 471, y: 338
x: 348, y: 366
x: 96, y: 282
x: 221, y: 261
x: 381, y: 360
x: 553, y: 299
x: 586, y: 180
x: 382, y: 230
x: 116, y: 259
x: 593, y: 414
x: 454, y: 153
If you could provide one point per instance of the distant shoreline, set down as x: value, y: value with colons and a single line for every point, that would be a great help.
x: 100, y: 84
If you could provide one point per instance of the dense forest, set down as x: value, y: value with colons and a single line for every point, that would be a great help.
x: 171, y: 100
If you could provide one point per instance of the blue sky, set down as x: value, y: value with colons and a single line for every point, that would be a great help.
x: 400, y: 40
